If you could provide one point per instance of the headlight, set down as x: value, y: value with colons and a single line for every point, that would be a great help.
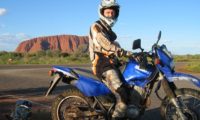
x: 168, y: 53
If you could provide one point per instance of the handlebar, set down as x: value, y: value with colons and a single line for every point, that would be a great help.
x: 142, y: 54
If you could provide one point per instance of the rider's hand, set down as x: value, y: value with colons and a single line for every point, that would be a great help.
x: 128, y: 54
x: 121, y: 52
x: 137, y: 57
x: 134, y: 56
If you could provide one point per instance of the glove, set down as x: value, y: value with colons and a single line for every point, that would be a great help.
x: 127, y: 53
x: 137, y: 57
x: 121, y: 52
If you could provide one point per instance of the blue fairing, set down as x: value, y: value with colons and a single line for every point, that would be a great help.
x: 136, y: 76
x: 168, y: 66
x: 88, y: 86
x: 91, y: 87
x: 164, y: 56
x: 63, y: 69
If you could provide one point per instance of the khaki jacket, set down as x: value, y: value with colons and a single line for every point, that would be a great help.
x: 102, y: 41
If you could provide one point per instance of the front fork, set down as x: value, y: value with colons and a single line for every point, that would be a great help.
x: 169, y: 88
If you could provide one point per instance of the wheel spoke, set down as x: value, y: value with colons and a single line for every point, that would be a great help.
x: 76, y: 108
x: 191, y: 99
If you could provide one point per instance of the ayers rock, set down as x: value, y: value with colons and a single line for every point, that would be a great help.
x: 64, y: 43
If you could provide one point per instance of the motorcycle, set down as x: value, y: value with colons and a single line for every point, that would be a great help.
x: 89, y: 98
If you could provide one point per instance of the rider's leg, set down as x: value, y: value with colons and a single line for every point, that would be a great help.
x: 112, y: 79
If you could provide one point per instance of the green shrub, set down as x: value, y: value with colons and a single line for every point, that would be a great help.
x: 187, y: 58
x: 45, y: 57
x: 193, y: 67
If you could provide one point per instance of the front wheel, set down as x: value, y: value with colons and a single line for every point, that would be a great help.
x: 190, y: 98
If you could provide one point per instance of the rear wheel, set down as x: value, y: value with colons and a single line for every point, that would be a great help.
x: 72, y: 105
x: 190, y: 98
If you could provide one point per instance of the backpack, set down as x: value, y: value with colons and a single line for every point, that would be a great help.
x: 22, y: 110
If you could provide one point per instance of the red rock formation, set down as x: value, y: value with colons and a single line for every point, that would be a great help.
x: 64, y: 43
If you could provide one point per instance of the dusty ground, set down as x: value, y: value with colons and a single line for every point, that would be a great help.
x: 30, y: 82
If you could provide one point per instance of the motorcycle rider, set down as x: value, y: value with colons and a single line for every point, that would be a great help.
x: 103, y: 52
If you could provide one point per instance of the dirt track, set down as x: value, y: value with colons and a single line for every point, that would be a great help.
x: 31, y: 82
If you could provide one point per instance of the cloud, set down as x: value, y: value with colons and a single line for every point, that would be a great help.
x: 7, y: 37
x: 2, y: 11
x: 9, y: 42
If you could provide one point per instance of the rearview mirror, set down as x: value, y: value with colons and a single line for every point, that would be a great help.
x: 136, y: 44
x: 159, y: 36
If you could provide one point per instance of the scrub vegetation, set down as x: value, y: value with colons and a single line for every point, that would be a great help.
x: 80, y: 56
x: 192, y: 62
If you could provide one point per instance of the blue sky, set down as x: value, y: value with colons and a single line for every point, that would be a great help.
x: 179, y: 21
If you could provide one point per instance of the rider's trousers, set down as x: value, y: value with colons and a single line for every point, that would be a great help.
x: 112, y: 80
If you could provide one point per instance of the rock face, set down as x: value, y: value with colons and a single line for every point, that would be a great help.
x: 64, y: 43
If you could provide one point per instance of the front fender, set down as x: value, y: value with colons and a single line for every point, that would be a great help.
x: 183, y: 76
x: 172, y: 76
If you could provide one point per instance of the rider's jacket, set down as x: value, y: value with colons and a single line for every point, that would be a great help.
x: 102, y: 46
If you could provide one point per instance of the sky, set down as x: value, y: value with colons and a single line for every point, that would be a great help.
x: 179, y: 21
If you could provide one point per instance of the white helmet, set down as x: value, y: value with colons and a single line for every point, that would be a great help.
x: 109, y: 4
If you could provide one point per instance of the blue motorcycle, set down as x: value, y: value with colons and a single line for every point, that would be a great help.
x: 89, y: 99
